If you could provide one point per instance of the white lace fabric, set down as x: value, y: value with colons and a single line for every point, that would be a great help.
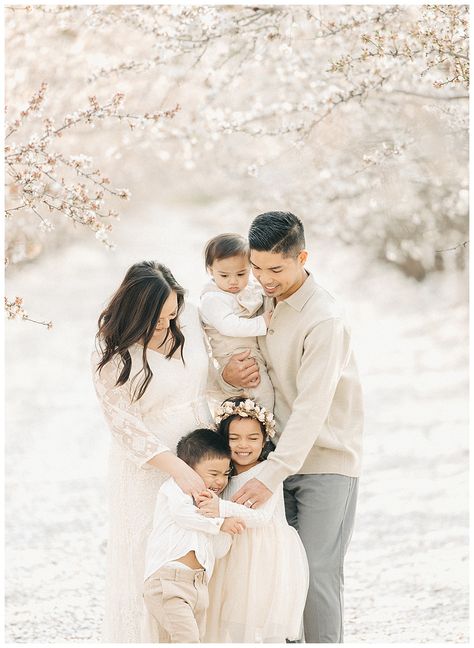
x: 173, y: 405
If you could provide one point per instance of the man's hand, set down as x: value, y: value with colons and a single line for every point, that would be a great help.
x: 233, y: 526
x: 209, y: 506
x: 241, y: 370
x: 252, y: 494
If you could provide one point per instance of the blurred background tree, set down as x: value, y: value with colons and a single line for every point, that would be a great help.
x: 353, y: 117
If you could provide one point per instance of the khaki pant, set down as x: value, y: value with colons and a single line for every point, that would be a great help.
x: 178, y: 600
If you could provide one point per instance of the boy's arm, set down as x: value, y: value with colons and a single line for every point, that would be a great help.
x: 222, y: 542
x: 185, y: 514
x: 217, y: 311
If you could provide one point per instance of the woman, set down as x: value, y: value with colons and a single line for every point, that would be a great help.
x: 150, y: 374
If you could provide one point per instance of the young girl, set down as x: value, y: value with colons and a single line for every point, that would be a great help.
x: 229, y: 306
x: 258, y: 590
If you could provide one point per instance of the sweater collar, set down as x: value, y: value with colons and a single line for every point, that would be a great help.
x: 299, y: 298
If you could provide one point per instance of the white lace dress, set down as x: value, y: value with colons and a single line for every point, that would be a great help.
x: 257, y: 591
x: 173, y: 405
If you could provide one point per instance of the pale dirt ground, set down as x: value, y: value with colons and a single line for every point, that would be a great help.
x: 407, y: 566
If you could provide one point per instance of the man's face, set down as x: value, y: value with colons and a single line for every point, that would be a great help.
x: 280, y: 276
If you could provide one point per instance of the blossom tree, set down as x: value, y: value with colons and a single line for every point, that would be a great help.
x: 355, y: 117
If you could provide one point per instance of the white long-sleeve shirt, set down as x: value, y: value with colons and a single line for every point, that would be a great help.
x: 178, y: 528
x: 232, y: 314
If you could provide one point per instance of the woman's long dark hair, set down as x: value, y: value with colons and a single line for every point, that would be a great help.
x: 132, y: 315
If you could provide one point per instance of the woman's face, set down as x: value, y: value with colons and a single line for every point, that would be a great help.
x: 246, y: 442
x: 168, y: 313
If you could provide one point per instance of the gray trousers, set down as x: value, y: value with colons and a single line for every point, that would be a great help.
x: 322, y: 510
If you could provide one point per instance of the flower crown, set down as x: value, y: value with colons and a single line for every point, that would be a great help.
x: 246, y: 409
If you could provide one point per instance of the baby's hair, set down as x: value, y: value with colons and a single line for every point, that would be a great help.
x: 224, y: 425
x: 225, y: 246
x: 201, y: 444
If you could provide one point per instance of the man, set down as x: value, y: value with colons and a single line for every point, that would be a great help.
x: 318, y: 411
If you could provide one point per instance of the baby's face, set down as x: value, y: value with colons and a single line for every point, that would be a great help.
x: 214, y: 473
x: 231, y: 274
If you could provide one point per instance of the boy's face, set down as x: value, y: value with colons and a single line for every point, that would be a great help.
x: 214, y: 473
x: 231, y: 274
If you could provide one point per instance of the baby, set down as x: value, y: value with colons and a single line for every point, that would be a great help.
x: 229, y: 306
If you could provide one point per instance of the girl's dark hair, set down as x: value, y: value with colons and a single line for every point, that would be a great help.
x: 223, y: 429
x: 225, y: 246
x: 132, y: 315
x: 280, y: 232
x: 202, y: 444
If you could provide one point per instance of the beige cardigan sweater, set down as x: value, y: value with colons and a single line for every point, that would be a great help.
x: 318, y: 396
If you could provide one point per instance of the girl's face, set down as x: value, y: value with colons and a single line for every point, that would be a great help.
x: 246, y: 442
x: 231, y: 274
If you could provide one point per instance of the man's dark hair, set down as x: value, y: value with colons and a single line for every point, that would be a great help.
x: 202, y: 444
x: 225, y: 246
x: 280, y: 232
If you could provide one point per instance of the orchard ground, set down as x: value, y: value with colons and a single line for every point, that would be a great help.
x: 406, y: 575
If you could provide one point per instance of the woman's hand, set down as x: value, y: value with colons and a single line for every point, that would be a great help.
x: 186, y: 478
x: 209, y: 507
x: 189, y: 481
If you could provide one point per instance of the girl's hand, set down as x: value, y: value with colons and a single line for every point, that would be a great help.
x: 204, y: 496
x: 233, y: 526
x: 209, y: 507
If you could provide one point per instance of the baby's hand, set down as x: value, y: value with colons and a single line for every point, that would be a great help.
x: 209, y: 506
x: 267, y: 316
x: 233, y: 526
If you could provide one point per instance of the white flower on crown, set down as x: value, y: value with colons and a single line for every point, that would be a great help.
x: 247, y: 409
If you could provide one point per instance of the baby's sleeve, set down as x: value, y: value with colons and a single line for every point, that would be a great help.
x: 216, y: 310
x: 123, y: 416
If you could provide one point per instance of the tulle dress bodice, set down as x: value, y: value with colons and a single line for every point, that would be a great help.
x: 258, y: 589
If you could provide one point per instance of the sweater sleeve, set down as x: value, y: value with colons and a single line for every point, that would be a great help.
x: 124, y: 416
x: 216, y: 309
x: 326, y: 353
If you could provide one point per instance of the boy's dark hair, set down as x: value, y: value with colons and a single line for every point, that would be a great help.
x: 202, y: 444
x: 224, y: 246
x: 280, y: 232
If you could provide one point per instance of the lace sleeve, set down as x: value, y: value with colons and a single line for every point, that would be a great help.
x: 124, y: 416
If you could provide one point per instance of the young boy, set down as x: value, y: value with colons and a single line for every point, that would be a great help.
x: 228, y: 308
x: 183, y: 544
